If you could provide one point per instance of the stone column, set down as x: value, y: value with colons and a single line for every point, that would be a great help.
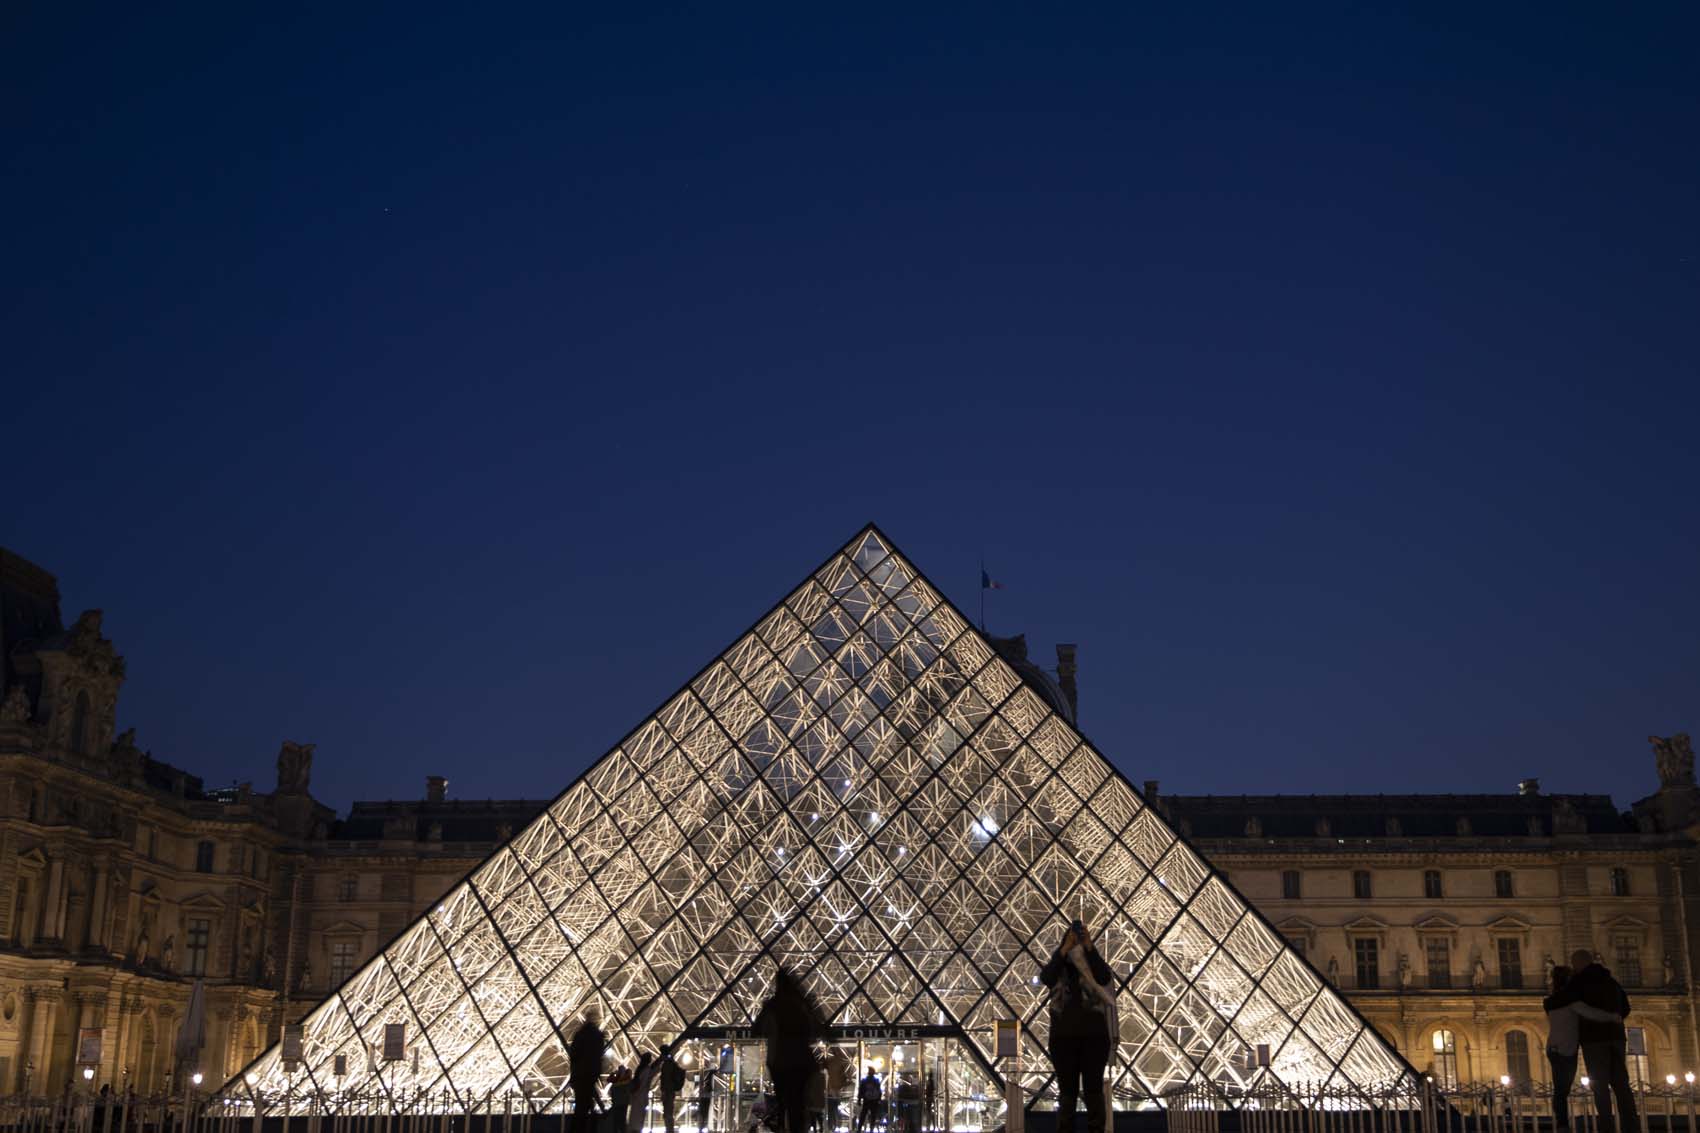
x: 38, y: 1052
x: 98, y: 899
x: 52, y: 922
x: 116, y: 1047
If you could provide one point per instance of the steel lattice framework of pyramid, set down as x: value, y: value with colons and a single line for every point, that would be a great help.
x: 862, y: 789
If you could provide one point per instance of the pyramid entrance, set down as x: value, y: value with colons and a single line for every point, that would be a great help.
x: 859, y: 788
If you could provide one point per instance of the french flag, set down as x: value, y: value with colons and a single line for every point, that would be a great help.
x: 987, y: 582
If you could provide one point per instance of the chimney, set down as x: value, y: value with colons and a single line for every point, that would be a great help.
x: 1066, y: 670
x: 436, y: 788
x: 1527, y: 787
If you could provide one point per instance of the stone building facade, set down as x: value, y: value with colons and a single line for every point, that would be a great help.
x: 124, y: 879
x: 1441, y: 916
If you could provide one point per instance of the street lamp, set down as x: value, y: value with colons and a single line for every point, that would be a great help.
x: 1584, y: 1081
x: 195, y: 1077
x: 1670, y: 1079
x: 88, y: 1073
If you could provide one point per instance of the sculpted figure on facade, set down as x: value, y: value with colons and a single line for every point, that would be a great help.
x: 1478, y: 975
x: 294, y: 767
x: 15, y: 709
x: 1675, y: 757
x: 1404, y: 971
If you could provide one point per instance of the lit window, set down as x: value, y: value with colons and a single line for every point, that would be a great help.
x: 1636, y: 1048
x: 1445, y: 1047
x: 199, y: 940
x: 1517, y: 1057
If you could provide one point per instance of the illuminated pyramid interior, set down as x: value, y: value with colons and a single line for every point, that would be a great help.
x: 862, y: 789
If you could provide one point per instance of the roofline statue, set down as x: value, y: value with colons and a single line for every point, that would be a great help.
x: 1675, y: 758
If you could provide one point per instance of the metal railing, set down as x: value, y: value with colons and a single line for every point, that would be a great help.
x: 1421, y: 1107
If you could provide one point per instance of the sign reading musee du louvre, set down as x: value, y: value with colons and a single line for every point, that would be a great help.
x: 861, y: 789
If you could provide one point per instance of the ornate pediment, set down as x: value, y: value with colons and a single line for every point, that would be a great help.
x: 343, y: 928
x: 1436, y: 923
x: 1510, y: 925
x: 204, y: 900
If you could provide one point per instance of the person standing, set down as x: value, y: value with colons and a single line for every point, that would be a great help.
x: 1605, y: 1042
x: 705, y: 1095
x: 584, y: 1068
x: 837, y: 1074
x: 672, y: 1081
x: 638, y: 1113
x: 791, y: 1023
x: 1081, y: 1008
x: 817, y: 1100
x: 870, y: 1097
x: 619, y: 1098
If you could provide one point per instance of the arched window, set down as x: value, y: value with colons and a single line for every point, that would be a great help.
x: 80, y: 724
x: 1445, y: 1046
x: 1517, y: 1057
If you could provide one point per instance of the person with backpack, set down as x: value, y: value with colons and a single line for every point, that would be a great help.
x: 672, y: 1081
x: 1082, y: 1016
x: 870, y: 1098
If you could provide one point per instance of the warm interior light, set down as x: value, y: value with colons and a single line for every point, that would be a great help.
x: 195, y: 1077
x: 1670, y: 1079
x: 1505, y: 1079
x: 88, y: 1073
x: 1689, y: 1077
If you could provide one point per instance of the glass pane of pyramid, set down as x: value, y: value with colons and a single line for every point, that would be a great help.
x: 863, y: 789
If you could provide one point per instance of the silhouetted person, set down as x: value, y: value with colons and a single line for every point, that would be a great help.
x: 705, y: 1096
x: 672, y: 1080
x: 791, y: 1023
x: 1081, y: 1003
x: 642, y: 1077
x: 838, y: 1071
x: 870, y: 1098
x: 1604, y: 1044
x: 619, y: 1098
x: 584, y: 1069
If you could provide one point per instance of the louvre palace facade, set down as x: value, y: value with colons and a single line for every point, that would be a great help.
x: 1433, y: 917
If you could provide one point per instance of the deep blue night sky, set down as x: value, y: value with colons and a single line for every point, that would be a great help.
x: 445, y: 389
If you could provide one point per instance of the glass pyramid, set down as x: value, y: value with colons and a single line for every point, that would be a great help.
x: 862, y: 789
